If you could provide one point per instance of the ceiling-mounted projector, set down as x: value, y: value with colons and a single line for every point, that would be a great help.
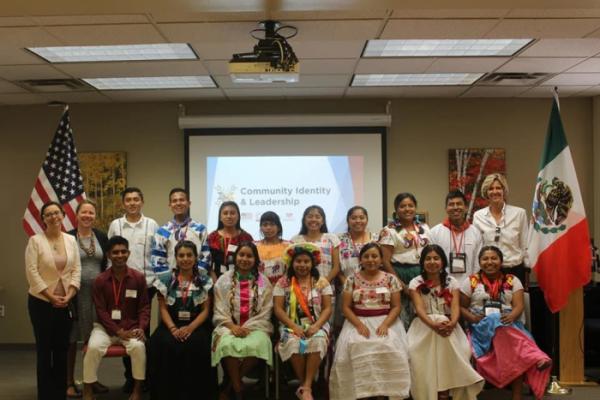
x: 272, y: 61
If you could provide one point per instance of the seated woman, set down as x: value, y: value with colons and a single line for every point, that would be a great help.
x: 242, y: 318
x: 371, y: 357
x: 439, y: 350
x: 302, y: 303
x: 180, y: 346
x: 492, y: 303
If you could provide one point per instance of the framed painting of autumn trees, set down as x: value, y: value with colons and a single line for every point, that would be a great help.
x: 104, y: 178
x: 467, y: 170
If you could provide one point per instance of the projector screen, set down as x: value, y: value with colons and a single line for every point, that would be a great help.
x: 284, y: 171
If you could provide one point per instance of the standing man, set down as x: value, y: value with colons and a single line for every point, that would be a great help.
x: 123, y: 314
x: 460, y: 240
x: 181, y: 227
x: 139, y: 231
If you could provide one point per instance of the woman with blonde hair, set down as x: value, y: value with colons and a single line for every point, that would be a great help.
x: 504, y: 226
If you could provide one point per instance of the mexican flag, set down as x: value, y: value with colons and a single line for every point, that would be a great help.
x: 559, y: 241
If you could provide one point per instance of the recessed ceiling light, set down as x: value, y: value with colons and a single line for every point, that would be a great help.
x: 414, y: 79
x: 444, y: 47
x: 154, y: 82
x: 135, y: 52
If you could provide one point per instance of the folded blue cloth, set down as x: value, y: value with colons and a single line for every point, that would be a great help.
x: 483, y: 332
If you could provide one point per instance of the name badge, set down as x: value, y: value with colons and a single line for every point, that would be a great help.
x: 492, y: 307
x: 381, y: 290
x: 184, y: 315
x: 231, y: 248
x: 132, y: 293
x: 116, y: 315
x: 458, y: 263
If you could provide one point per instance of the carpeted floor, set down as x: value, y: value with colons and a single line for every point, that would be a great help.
x: 17, y: 381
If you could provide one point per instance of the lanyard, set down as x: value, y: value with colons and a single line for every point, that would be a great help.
x: 494, y: 288
x: 184, y: 294
x: 117, y: 294
x: 460, y: 243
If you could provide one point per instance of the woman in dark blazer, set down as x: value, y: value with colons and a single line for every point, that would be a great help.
x: 91, y: 243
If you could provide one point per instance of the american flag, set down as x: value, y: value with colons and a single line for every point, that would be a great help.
x: 59, y: 179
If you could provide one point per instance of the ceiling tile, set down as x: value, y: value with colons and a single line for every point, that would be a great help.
x: 248, y: 94
x: 21, y: 72
x: 7, y: 87
x: 25, y: 98
x: 553, y: 13
x: 14, y: 55
x: 328, y: 48
x: 77, y: 97
x: 19, y: 37
x: 545, y: 91
x: 389, y: 92
x: 348, y: 30
x: 543, y: 28
x: 563, y: 48
x: 437, y: 28
x: 163, y: 95
x: 541, y: 64
x: 133, y: 68
x: 48, y: 20
x: 456, y: 13
x: 589, y: 65
x: 393, y: 65
x: 313, y: 92
x: 82, y: 35
x: 16, y: 21
x: 495, y: 91
x: 574, y: 80
x: 466, y: 64
x: 327, y: 66
x: 306, y: 81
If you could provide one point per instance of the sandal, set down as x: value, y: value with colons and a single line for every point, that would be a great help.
x: 75, y: 394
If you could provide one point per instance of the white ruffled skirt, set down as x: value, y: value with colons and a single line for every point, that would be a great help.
x: 441, y: 363
x: 377, y: 366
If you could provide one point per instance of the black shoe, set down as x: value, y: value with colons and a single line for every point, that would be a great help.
x: 145, y: 386
x: 127, y: 387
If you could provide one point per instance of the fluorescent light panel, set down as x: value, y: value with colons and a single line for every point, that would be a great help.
x: 135, y: 52
x: 414, y: 79
x: 154, y: 82
x: 444, y: 47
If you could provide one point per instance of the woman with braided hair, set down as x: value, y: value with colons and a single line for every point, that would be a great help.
x: 180, y: 346
x: 438, y: 348
x: 505, y: 353
x: 302, y: 303
x: 242, y: 318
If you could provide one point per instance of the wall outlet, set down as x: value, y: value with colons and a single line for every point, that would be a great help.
x: 2, y: 311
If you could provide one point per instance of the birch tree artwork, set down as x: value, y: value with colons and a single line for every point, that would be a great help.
x: 104, y: 178
x: 468, y: 168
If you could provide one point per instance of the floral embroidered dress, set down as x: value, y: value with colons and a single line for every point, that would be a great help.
x: 304, y: 308
x: 327, y: 244
x: 374, y: 366
x: 271, y: 259
x: 439, y: 363
x: 349, y: 252
x: 503, y: 352
x: 246, y: 301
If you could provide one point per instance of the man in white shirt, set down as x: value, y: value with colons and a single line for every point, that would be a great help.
x: 460, y: 240
x: 139, y: 231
